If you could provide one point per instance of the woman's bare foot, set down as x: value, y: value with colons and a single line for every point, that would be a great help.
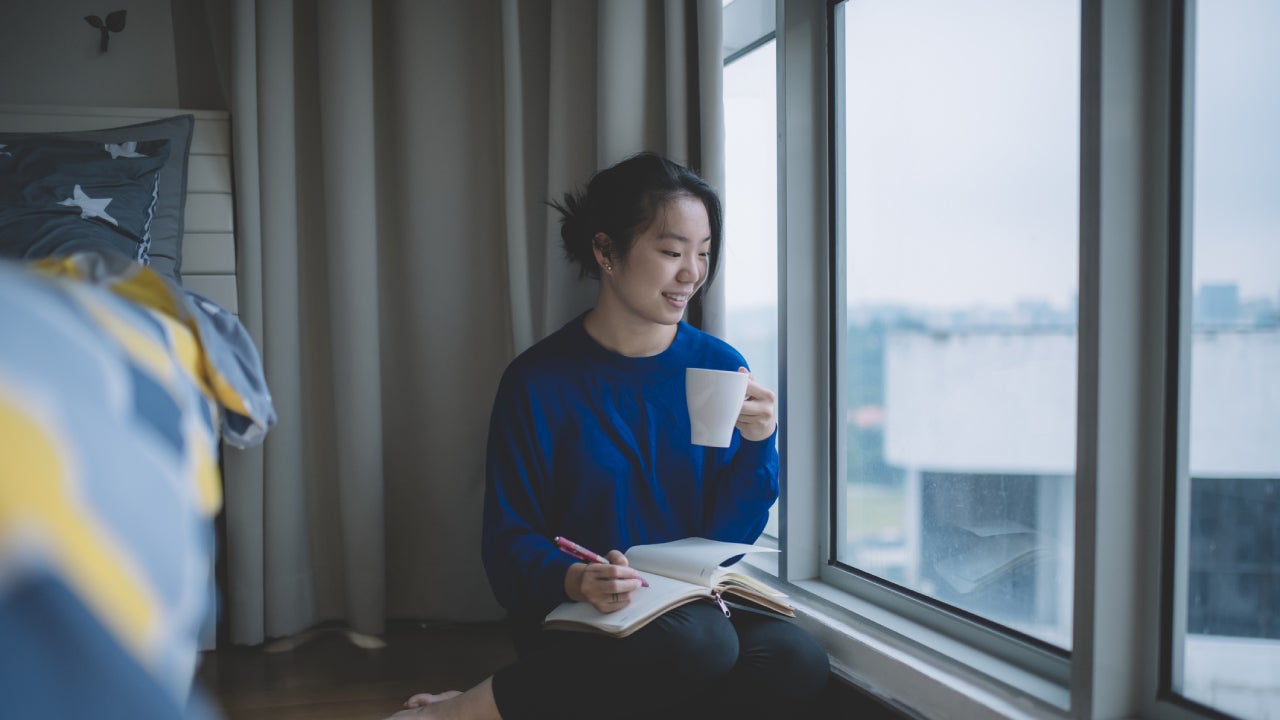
x: 416, y: 706
x: 428, y: 698
x: 474, y: 704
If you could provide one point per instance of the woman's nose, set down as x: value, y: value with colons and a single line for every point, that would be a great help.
x: 690, y: 269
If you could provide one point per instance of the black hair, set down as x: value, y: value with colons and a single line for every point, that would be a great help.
x: 623, y: 201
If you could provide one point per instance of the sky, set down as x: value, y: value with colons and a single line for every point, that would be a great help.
x: 1236, y: 220
x: 963, y: 153
x: 750, y: 268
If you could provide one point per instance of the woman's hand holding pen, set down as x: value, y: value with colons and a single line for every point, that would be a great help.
x: 759, y: 416
x: 607, y: 587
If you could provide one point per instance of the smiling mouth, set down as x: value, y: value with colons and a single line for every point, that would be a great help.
x: 676, y: 298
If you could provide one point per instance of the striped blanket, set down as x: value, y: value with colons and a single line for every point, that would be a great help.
x: 116, y: 388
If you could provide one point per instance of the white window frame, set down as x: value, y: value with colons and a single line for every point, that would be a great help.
x: 1129, y: 457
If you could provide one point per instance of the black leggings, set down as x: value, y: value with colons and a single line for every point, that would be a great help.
x: 691, y: 662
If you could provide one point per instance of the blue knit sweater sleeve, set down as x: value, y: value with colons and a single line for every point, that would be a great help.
x: 742, y: 491
x: 524, y: 567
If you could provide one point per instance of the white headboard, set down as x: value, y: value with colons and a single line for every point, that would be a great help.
x: 208, y: 247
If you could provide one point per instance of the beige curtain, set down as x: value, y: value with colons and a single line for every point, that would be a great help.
x: 392, y: 165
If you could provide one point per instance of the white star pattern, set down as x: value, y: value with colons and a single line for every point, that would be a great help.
x: 119, y: 150
x: 90, y: 207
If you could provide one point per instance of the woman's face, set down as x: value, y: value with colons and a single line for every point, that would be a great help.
x: 667, y: 263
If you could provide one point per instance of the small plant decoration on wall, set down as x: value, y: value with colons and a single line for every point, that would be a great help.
x: 113, y: 23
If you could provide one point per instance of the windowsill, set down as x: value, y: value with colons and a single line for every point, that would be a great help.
x: 910, y: 667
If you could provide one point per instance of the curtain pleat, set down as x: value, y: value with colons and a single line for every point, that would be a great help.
x: 393, y: 161
x: 706, y: 137
x: 286, y: 550
x: 676, y: 80
x: 345, y: 32
x: 243, y: 469
x: 515, y: 184
x: 572, y: 107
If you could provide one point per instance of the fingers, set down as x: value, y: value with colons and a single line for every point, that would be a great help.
x: 758, y: 418
x: 608, y: 587
x: 600, y: 579
x: 613, y: 602
x: 616, y: 569
x: 756, y: 391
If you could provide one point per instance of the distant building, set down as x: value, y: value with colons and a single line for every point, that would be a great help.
x: 980, y: 427
x: 1217, y: 305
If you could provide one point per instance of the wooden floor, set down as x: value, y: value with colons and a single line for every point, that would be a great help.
x: 327, y: 677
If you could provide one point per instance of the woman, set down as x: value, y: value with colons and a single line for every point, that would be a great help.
x: 589, y: 439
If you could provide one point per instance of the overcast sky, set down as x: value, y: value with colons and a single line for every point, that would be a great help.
x: 963, y: 152
x: 1237, y: 153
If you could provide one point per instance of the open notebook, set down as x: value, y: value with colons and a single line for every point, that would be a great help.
x: 678, y: 572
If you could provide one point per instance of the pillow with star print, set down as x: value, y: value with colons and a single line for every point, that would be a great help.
x: 62, y: 196
x: 165, y: 253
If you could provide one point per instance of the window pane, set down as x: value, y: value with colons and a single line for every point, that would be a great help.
x: 960, y: 167
x: 1231, y: 639
x: 750, y: 263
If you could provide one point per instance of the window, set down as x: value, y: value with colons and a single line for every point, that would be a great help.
x: 956, y: 202
x: 1227, y: 629
x: 1029, y: 341
x: 750, y: 267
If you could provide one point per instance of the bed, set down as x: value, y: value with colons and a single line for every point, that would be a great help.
x: 123, y: 371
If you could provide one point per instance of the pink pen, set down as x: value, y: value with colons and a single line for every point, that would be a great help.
x: 585, y: 555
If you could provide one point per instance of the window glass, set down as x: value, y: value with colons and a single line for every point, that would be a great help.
x: 750, y: 264
x: 1230, y: 639
x: 958, y: 152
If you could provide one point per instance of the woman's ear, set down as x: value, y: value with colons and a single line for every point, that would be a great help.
x: 603, y: 249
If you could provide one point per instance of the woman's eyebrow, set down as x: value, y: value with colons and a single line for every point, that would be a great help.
x: 681, y: 238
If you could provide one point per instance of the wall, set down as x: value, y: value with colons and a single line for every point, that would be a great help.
x: 49, y: 55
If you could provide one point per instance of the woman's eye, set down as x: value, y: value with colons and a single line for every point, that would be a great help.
x: 671, y: 253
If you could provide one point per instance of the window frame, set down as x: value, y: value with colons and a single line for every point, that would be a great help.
x: 753, y: 27
x: 1130, y: 426
x: 1176, y: 480
x: 1175, y: 476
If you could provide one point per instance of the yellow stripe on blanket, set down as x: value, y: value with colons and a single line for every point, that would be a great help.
x: 180, y: 362
x: 208, y: 481
x: 190, y: 360
x: 207, y: 473
x: 38, y: 507
x: 141, y: 348
x: 148, y: 289
x: 144, y: 286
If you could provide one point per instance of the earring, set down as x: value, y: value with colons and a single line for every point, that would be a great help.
x: 608, y: 267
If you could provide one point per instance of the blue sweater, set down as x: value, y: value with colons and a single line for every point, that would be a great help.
x: 594, y: 446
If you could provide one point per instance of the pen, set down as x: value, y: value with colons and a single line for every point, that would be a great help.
x: 572, y: 548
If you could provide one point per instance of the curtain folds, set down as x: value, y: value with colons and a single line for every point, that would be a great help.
x: 393, y: 161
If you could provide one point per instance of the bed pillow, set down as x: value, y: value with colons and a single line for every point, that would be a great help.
x: 62, y: 196
x: 165, y: 251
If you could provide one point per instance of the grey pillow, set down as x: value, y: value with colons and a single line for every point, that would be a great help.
x: 165, y: 249
x: 60, y: 196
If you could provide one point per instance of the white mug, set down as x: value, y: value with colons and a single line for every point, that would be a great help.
x: 715, y: 400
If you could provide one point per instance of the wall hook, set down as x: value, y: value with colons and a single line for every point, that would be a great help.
x: 114, y: 23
